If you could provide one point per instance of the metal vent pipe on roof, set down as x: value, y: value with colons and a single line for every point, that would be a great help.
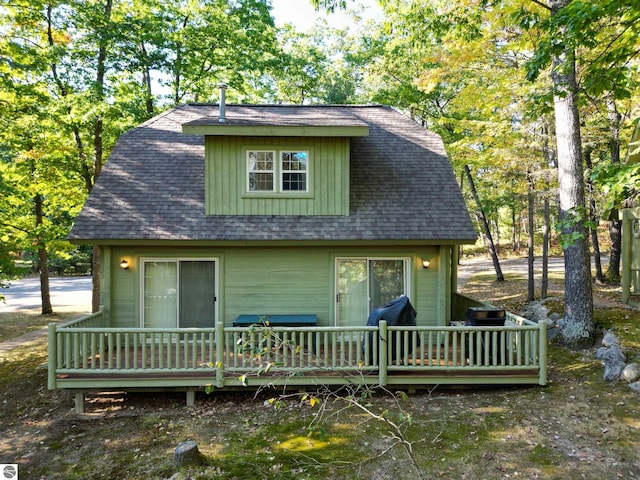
x: 223, y: 88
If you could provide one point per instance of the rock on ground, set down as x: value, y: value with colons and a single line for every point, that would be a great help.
x: 631, y: 373
x: 613, y: 359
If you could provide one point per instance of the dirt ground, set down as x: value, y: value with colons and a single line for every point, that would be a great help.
x: 579, y: 426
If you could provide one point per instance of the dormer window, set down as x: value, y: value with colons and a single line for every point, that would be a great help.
x: 261, y: 171
x: 294, y: 171
x: 277, y: 171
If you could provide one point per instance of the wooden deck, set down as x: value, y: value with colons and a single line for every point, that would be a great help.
x: 85, y: 356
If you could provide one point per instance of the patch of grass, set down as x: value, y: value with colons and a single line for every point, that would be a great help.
x: 14, y: 324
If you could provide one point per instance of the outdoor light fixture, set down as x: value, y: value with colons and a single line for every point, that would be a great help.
x: 124, y: 264
x: 425, y: 263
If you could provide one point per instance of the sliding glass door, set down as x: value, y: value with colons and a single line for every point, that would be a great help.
x: 366, y: 283
x: 178, y: 293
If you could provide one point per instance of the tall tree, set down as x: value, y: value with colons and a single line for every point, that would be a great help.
x: 531, y: 236
x: 38, y: 188
x: 492, y: 249
x: 578, y: 328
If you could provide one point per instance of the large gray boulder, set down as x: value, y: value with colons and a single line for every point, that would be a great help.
x: 612, y: 357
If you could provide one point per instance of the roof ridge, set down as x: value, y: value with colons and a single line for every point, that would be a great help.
x: 288, y: 105
x: 157, y: 118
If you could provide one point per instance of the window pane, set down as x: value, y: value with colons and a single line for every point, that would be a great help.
x: 197, y: 294
x: 294, y: 171
x: 294, y: 182
x: 160, y: 294
x: 352, y: 293
x: 386, y: 280
x: 294, y: 161
x: 260, y: 161
x: 259, y: 182
x: 260, y: 170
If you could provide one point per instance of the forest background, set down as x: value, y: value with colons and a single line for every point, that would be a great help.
x: 535, y: 100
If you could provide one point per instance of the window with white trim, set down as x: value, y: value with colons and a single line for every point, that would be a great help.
x: 260, y: 171
x: 284, y: 171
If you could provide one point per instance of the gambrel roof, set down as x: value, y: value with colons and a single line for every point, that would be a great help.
x: 153, y: 188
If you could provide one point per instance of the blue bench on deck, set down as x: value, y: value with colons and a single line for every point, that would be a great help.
x: 276, y: 320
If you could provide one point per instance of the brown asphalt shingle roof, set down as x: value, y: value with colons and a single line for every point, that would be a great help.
x: 152, y: 188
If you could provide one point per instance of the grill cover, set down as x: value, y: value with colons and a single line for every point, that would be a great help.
x: 397, y: 313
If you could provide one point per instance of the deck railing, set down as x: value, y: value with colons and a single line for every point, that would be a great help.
x: 84, y: 355
x: 461, y: 303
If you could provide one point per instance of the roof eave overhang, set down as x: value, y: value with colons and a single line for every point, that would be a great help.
x: 266, y: 243
x: 276, y: 130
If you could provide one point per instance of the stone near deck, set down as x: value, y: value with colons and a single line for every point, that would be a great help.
x: 631, y: 373
x: 612, y: 357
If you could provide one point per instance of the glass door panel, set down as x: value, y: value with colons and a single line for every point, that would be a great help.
x: 160, y: 297
x: 386, y: 281
x: 364, y: 284
x: 197, y: 294
x: 353, y: 296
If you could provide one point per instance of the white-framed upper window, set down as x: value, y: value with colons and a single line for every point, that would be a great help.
x: 283, y: 171
x: 261, y: 171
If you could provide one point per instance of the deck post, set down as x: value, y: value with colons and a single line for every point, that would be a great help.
x: 383, y: 336
x: 219, y: 366
x: 625, y: 280
x: 542, y: 352
x: 51, y: 352
x: 79, y: 401
x: 191, y: 398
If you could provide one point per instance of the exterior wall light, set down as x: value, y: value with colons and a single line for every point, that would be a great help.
x: 425, y: 263
x: 124, y: 264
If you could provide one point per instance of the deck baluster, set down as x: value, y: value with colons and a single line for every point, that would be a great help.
x: 101, y: 351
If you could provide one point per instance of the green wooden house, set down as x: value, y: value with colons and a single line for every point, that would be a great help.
x: 307, y: 217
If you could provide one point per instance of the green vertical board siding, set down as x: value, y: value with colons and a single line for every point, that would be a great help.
x: 226, y: 177
x: 427, y: 298
x: 124, y: 305
x: 280, y: 280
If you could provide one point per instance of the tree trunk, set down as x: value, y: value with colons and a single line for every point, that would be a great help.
x: 531, y: 290
x: 593, y: 219
x: 550, y: 160
x: 98, y: 128
x: 514, y: 229
x: 187, y: 454
x: 43, y: 258
x: 487, y: 230
x: 615, y: 234
x: 101, y: 69
x: 544, y: 283
x: 615, y: 224
x: 146, y: 79
x: 578, y: 330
